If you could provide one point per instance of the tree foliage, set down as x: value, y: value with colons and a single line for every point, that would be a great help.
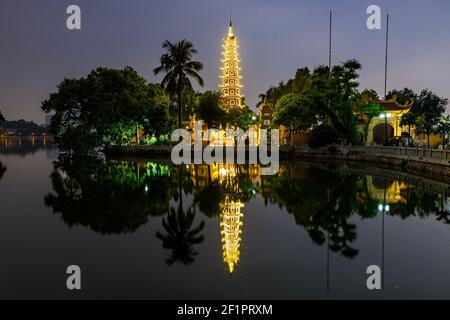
x: 322, y: 136
x: 408, y: 120
x: 443, y: 128
x: 321, y: 97
x: 429, y: 107
x: 242, y: 118
x: 106, y: 108
x: 109, y: 197
x: 208, y: 109
x: 403, y: 96
x: 294, y: 111
x: 178, y: 66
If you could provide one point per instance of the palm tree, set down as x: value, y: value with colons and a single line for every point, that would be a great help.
x: 443, y: 127
x: 178, y: 67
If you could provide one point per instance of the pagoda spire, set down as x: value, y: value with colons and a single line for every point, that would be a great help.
x: 230, y: 29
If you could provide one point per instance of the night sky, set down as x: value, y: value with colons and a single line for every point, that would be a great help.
x: 38, y: 51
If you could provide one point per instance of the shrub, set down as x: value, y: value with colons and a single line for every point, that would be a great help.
x: 322, y: 136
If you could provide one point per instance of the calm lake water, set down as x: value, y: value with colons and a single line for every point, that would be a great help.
x: 150, y: 230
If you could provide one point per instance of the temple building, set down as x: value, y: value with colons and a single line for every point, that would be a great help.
x: 387, y: 124
x: 266, y: 114
x: 230, y: 87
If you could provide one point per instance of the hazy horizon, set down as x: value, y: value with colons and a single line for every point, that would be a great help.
x: 276, y: 38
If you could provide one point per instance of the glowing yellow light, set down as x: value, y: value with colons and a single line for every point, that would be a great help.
x: 230, y: 86
x: 230, y: 30
x: 230, y: 225
x: 223, y: 171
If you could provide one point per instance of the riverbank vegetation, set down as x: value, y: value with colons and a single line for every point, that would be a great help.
x: 330, y: 106
x: 111, y: 108
x: 108, y: 107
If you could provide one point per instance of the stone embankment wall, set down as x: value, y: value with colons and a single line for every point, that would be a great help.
x: 428, y: 162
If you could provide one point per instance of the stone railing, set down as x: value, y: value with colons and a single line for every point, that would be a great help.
x: 432, y: 155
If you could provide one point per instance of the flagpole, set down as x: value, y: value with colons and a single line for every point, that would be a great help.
x: 386, y: 57
x: 329, y: 44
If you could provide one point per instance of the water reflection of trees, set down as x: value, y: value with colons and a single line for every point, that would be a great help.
x: 323, y: 200
x: 421, y: 203
x: 112, y: 197
x: 109, y: 197
x: 180, y: 235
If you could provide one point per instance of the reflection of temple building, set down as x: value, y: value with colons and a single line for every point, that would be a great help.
x: 230, y: 231
x: 231, y: 216
x: 387, y: 191
x: 266, y: 189
x: 223, y: 173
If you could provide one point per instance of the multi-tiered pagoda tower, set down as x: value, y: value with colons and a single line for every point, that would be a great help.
x: 231, y: 78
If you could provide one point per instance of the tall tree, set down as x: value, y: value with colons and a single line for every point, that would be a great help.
x: 1, y: 117
x: 430, y: 108
x: 293, y: 111
x: 408, y: 120
x: 443, y: 127
x: 403, y: 96
x: 334, y: 96
x: 207, y: 108
x: 367, y: 108
x: 178, y: 67
x: 105, y: 108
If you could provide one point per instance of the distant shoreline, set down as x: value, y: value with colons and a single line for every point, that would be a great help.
x: 26, y: 137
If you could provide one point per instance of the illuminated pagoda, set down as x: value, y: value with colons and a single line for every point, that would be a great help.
x: 231, y: 79
x: 230, y: 231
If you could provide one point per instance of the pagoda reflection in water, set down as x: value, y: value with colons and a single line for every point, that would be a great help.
x: 231, y: 206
